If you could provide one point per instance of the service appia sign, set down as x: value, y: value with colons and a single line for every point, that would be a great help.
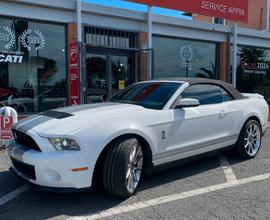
x: 236, y: 10
x: 11, y: 52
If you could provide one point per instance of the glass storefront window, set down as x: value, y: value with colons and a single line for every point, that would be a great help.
x: 253, y: 71
x: 184, y: 58
x: 32, y: 65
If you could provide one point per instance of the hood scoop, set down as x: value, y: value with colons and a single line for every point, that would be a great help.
x: 56, y: 114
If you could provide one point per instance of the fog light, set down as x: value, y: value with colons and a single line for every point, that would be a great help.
x: 52, y: 176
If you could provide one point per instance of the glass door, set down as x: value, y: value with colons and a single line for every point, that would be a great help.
x: 121, y: 72
x: 97, y: 78
x: 107, y: 71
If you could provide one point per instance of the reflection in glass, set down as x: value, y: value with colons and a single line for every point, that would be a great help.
x: 206, y: 94
x: 120, y: 72
x: 253, y: 73
x: 96, y: 71
x: 184, y: 58
x: 153, y: 95
x: 38, y: 82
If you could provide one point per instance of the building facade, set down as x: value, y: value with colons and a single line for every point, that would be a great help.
x: 39, y: 52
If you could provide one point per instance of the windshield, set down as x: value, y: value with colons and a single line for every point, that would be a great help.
x: 153, y: 95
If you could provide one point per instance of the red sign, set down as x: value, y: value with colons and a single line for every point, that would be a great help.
x: 5, y: 125
x: 236, y: 10
x: 74, y: 98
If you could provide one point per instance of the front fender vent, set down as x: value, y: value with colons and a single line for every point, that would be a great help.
x: 25, y: 140
x: 56, y: 114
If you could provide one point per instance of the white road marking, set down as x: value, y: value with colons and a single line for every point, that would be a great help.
x: 228, y: 172
x: 13, y: 194
x: 166, y: 199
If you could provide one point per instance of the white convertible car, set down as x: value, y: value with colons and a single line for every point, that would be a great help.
x: 145, y: 126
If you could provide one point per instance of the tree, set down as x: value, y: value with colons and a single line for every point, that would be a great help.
x: 251, y: 55
x: 206, y: 73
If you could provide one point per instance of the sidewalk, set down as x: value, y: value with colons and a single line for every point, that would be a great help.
x: 4, y: 160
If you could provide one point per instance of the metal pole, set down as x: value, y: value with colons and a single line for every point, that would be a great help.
x: 79, y: 40
x: 79, y: 21
x: 234, y: 64
x: 268, y: 15
x: 187, y: 68
x: 149, y: 31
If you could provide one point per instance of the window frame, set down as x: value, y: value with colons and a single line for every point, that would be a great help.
x: 228, y: 93
x: 213, y: 84
x: 179, y: 85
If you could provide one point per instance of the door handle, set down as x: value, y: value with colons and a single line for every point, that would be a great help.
x: 223, y: 113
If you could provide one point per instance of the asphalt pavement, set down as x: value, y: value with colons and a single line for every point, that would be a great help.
x: 220, y: 187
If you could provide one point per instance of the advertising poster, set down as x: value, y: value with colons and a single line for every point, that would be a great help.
x: 74, y: 98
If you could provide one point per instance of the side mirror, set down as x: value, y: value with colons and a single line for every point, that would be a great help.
x: 187, y: 103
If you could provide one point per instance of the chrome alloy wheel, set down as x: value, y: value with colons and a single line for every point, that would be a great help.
x: 134, y: 169
x: 252, y: 139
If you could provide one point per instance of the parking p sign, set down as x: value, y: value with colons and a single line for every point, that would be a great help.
x: 5, y: 125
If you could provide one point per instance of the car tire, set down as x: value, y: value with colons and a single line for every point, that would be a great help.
x: 123, y: 167
x: 250, y: 140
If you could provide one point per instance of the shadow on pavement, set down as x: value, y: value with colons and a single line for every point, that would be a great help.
x: 8, y: 182
x: 264, y: 153
x: 50, y: 205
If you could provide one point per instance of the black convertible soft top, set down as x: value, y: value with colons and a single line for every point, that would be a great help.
x: 193, y: 81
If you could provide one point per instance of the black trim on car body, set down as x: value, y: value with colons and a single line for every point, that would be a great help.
x: 56, y: 114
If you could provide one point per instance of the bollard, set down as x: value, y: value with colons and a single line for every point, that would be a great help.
x: 8, y: 116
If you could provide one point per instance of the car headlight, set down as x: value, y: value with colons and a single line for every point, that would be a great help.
x: 64, y: 144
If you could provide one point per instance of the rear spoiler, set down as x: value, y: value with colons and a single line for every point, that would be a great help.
x: 253, y: 95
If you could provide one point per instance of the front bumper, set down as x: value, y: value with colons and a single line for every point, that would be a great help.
x: 47, y: 188
x: 50, y: 169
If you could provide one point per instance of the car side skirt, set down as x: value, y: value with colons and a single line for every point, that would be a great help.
x: 193, y: 150
x: 192, y: 159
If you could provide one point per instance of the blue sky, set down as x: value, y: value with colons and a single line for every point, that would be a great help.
x: 136, y: 7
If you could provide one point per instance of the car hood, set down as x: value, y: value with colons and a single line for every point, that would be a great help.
x: 66, y: 120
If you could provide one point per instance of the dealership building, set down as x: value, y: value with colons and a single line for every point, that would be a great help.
x: 43, y: 67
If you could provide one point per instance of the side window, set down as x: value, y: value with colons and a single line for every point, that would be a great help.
x: 206, y: 94
x: 226, y: 96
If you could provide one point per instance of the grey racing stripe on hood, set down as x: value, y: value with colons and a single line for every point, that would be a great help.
x: 27, y: 125
x: 25, y: 120
x: 79, y: 108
